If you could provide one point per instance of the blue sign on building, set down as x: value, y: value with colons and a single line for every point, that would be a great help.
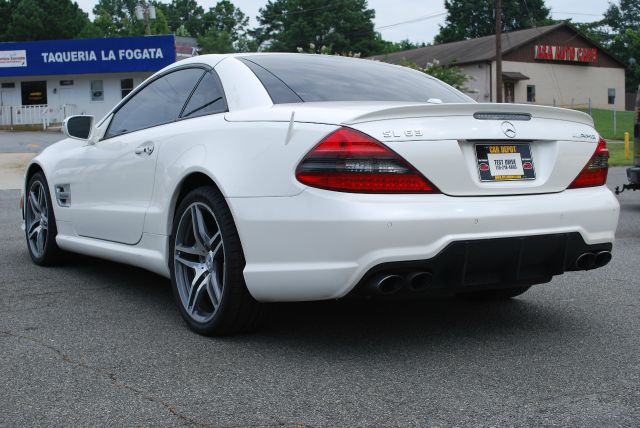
x: 86, y: 56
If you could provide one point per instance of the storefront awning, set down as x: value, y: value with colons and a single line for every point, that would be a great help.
x: 513, y: 76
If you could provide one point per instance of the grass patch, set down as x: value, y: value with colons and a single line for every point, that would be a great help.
x: 603, y: 120
x: 616, y: 154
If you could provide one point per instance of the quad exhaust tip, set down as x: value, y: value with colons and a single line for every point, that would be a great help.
x: 603, y: 258
x: 589, y: 261
x: 391, y: 283
x: 419, y: 281
x: 387, y: 284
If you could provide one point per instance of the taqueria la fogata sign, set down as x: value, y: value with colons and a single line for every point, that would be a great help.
x: 83, y: 56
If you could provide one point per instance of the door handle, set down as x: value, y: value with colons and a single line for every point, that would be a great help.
x: 146, y: 148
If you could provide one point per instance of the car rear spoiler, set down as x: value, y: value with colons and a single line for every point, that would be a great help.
x: 489, y: 110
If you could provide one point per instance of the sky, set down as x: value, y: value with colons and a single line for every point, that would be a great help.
x: 392, y: 15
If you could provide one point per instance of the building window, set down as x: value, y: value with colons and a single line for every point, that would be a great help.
x: 531, y: 93
x: 126, y: 86
x: 66, y: 83
x: 611, y: 95
x: 34, y: 93
x: 97, y: 92
x: 8, y: 85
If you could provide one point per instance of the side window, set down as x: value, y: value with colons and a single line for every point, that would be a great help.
x: 277, y: 90
x: 159, y: 102
x: 207, y: 98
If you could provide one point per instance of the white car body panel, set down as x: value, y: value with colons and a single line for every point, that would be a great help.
x: 243, y: 90
x: 302, y: 243
x: 341, y: 236
x: 112, y: 186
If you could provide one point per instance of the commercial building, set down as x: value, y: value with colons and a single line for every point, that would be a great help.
x: 45, y: 81
x: 552, y: 65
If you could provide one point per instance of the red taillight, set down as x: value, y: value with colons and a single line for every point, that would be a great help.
x: 350, y: 161
x: 595, y: 173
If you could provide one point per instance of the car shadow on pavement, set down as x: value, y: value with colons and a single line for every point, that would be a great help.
x: 342, y: 324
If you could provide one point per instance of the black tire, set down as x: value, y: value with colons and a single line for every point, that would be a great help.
x: 236, y: 311
x: 48, y: 254
x: 499, y: 294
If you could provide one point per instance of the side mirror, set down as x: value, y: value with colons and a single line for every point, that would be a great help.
x: 78, y: 127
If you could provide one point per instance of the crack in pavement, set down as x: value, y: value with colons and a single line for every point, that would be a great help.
x: 73, y: 290
x: 112, y: 377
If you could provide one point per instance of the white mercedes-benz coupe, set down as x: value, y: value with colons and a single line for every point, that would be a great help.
x: 253, y: 178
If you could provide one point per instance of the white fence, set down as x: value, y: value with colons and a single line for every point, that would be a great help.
x: 41, y: 114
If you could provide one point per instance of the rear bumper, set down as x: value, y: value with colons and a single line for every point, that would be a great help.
x: 488, y: 264
x: 320, y: 244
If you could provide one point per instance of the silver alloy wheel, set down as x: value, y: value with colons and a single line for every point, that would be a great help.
x: 37, y: 219
x: 199, y: 262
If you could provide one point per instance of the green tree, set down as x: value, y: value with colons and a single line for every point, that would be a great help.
x: 619, y: 33
x: 41, y: 20
x: 185, y: 14
x: 623, y: 16
x: 469, y: 19
x: 342, y: 25
x: 226, y: 30
x: 224, y: 16
x: 624, y: 22
x: 117, y: 18
x: 5, y: 17
x: 216, y: 42
x: 403, y: 45
x: 633, y: 72
x: 451, y: 74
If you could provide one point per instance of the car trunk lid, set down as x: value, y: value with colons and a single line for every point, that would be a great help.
x: 459, y: 146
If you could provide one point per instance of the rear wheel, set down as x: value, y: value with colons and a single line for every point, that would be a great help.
x: 498, y: 294
x: 40, y: 222
x: 206, y: 267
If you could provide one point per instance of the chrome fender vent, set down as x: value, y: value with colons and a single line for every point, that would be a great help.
x: 63, y: 194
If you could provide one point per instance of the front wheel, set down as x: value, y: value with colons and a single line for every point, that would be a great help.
x: 40, y: 222
x: 206, y: 267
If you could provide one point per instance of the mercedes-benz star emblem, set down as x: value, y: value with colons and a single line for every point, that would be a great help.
x: 508, y: 129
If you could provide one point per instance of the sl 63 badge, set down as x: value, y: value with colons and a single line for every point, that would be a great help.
x: 402, y: 133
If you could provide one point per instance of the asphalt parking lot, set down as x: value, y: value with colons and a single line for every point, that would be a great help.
x: 97, y: 343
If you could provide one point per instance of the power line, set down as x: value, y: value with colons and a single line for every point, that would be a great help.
x: 411, y: 21
x: 579, y: 13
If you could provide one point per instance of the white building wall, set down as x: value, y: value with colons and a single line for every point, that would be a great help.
x: 479, y: 83
x: 568, y: 85
x: 564, y: 85
x: 77, y: 96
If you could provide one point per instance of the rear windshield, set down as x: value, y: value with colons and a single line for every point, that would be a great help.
x: 289, y: 77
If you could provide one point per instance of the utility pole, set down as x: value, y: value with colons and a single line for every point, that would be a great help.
x: 147, y: 21
x: 498, y: 51
x: 147, y: 13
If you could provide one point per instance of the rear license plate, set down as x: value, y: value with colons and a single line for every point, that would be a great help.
x: 504, y: 162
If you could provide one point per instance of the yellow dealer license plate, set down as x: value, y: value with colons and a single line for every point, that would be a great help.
x: 504, y: 162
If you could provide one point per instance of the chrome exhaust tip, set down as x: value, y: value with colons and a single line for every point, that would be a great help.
x: 386, y: 284
x: 586, y: 261
x: 603, y: 258
x: 419, y: 281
